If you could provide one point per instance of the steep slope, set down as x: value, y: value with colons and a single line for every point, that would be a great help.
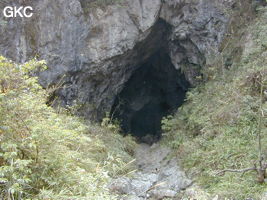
x: 219, y: 126
x: 50, y: 154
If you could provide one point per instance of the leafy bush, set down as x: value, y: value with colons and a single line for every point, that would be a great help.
x: 50, y: 155
x: 217, y: 128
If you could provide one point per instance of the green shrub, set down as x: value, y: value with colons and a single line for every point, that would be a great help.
x: 46, y: 155
x: 217, y: 127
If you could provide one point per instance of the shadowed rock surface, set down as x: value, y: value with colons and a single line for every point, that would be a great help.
x: 93, y: 51
x: 154, y: 90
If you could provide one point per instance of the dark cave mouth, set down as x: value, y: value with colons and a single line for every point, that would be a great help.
x: 155, y: 89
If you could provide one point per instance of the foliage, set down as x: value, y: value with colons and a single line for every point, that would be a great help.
x: 217, y: 128
x: 50, y: 155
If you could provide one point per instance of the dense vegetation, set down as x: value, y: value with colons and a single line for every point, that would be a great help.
x: 49, y: 154
x: 219, y: 125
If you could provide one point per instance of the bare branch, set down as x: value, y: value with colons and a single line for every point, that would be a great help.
x: 237, y: 170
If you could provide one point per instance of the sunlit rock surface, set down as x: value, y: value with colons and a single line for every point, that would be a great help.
x: 93, y: 51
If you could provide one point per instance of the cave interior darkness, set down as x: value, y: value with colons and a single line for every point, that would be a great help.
x: 154, y: 90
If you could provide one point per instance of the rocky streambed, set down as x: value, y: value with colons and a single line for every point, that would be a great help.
x: 158, y: 176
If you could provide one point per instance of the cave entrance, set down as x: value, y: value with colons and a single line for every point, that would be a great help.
x: 154, y: 90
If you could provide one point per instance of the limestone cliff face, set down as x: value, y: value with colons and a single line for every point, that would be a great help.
x: 93, y: 51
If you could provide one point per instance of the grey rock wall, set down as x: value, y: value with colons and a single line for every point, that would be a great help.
x: 92, y: 51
